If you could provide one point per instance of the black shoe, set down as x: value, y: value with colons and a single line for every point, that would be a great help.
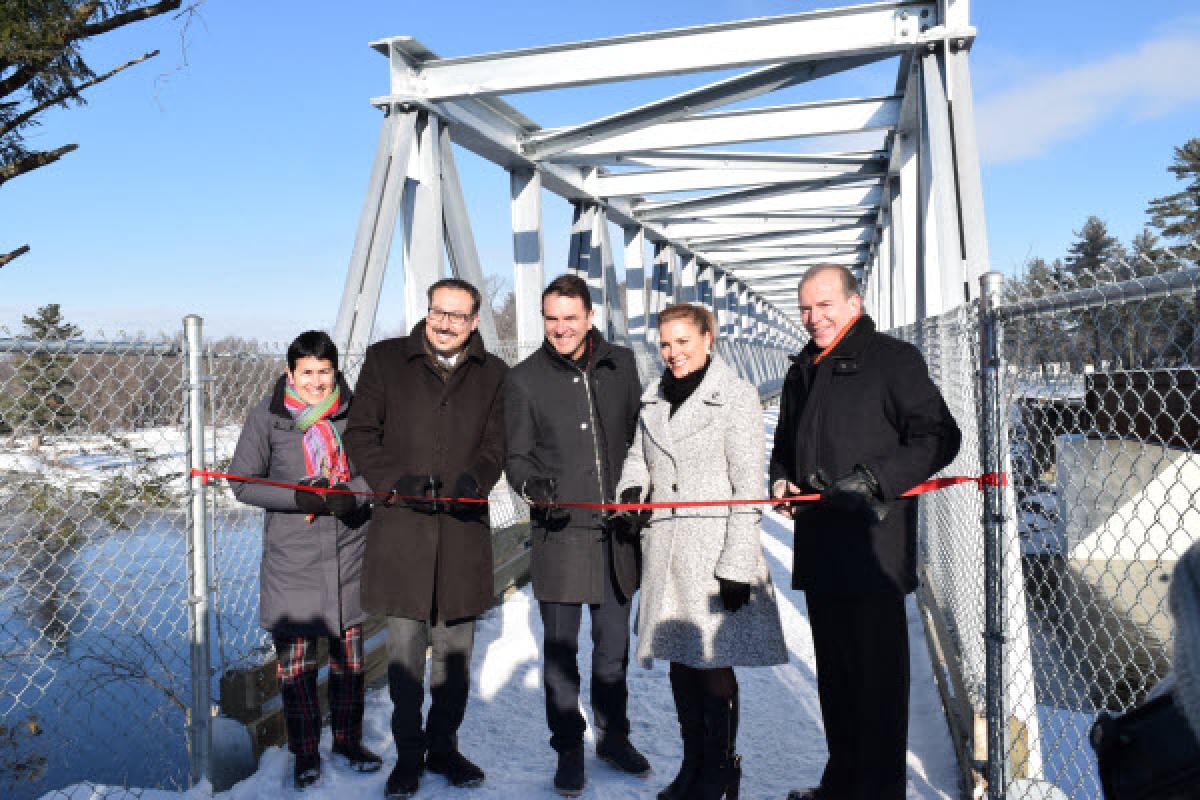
x: 456, y: 768
x: 356, y: 757
x: 689, y: 708
x: 405, y: 778
x: 721, y: 775
x: 812, y: 793
x: 624, y: 756
x: 307, y: 771
x: 569, y: 778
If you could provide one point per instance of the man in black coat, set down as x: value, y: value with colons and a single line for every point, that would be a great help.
x: 861, y: 423
x: 428, y: 421
x: 570, y: 412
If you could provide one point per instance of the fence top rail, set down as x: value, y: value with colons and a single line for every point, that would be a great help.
x: 1145, y: 287
x: 88, y: 347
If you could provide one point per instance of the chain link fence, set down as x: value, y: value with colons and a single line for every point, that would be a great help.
x: 95, y: 680
x: 1097, y: 423
x: 93, y: 631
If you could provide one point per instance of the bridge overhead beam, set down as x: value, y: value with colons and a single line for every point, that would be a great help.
x: 663, y: 181
x: 548, y: 143
x: 728, y: 160
x: 700, y: 228
x: 877, y: 28
x: 756, y: 125
x: 857, y: 200
x: 849, y: 236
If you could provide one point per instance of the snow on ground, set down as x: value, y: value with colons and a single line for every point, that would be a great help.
x: 781, y: 738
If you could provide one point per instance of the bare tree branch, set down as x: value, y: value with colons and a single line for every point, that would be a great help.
x: 7, y: 257
x: 21, y: 118
x: 33, y: 161
x: 133, y: 15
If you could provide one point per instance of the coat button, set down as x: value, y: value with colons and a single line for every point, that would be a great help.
x: 674, y: 487
x: 583, y: 426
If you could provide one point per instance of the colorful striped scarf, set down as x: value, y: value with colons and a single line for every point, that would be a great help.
x: 324, y: 455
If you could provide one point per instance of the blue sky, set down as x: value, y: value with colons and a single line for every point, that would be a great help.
x: 226, y: 178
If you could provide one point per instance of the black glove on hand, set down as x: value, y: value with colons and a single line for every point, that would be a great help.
x: 857, y: 493
x: 312, y: 502
x: 467, y: 487
x: 341, y: 505
x: 417, y: 486
x: 628, y: 525
x: 539, y: 492
x: 734, y: 594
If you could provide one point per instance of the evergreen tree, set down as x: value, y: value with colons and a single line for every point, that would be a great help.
x: 1093, y: 253
x: 43, y: 379
x: 1178, y: 215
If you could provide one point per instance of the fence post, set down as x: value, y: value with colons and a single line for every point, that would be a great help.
x: 200, y: 722
x: 992, y: 459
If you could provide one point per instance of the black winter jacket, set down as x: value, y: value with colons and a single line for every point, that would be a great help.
x: 575, y: 426
x: 870, y: 402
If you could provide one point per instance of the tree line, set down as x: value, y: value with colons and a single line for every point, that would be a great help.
x: 1137, y: 334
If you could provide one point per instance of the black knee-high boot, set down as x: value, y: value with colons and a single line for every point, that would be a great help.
x: 689, y: 707
x: 721, y: 774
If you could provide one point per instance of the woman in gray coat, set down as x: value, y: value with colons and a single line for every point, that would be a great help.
x: 707, y: 602
x: 312, y: 550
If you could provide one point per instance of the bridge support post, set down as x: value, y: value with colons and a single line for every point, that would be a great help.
x: 373, y: 242
x: 528, y: 260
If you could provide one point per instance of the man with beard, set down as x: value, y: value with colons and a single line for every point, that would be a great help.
x: 570, y: 413
x: 428, y: 422
x: 860, y: 422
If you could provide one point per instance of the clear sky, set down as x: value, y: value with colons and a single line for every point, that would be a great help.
x: 225, y: 178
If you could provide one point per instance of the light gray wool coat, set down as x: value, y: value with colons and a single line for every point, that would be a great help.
x: 710, y: 449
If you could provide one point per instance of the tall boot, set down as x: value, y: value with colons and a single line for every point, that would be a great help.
x: 689, y: 707
x: 721, y: 773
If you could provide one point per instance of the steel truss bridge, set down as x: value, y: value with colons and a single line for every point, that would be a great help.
x: 730, y: 226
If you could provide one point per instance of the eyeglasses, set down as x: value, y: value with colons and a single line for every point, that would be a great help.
x: 456, y: 318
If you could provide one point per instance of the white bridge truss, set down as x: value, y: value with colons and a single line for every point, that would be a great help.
x: 731, y: 226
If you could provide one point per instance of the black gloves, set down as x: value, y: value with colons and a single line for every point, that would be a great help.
x: 341, y: 505
x: 734, y: 594
x: 312, y: 502
x: 540, y: 490
x: 411, y: 488
x: 628, y: 525
x: 541, y: 493
x: 317, y: 503
x: 468, y: 488
x: 856, y: 493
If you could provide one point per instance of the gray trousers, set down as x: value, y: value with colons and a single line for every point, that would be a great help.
x: 449, y: 681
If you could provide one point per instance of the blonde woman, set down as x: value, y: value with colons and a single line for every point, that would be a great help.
x: 707, y: 601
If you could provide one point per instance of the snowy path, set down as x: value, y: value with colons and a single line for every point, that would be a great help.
x: 781, y: 738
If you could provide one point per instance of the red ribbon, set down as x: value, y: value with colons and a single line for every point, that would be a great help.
x: 931, y: 485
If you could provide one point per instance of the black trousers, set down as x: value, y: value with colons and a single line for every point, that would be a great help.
x: 449, y: 682
x: 610, y: 661
x: 861, y: 644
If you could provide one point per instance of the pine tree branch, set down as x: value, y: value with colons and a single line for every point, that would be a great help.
x: 79, y: 28
x: 72, y: 92
x: 7, y: 257
x: 29, y: 70
x: 34, y: 161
